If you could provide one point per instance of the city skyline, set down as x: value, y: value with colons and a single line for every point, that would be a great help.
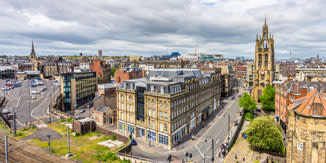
x: 160, y: 27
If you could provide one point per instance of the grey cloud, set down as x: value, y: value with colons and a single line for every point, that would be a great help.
x: 142, y: 27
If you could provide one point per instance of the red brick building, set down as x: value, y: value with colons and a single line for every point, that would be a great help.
x: 285, y: 94
x: 103, y: 70
x: 128, y: 74
x: 241, y: 72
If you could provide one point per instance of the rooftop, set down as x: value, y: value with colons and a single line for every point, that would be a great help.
x: 313, y: 104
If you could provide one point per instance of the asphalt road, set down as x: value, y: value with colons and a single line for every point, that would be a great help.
x: 216, y: 129
x: 27, y: 109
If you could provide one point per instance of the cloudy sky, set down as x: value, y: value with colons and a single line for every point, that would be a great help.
x: 157, y: 27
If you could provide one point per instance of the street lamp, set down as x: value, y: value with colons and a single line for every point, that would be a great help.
x: 29, y: 110
x: 49, y: 113
x: 89, y: 111
x: 212, y: 140
x: 49, y: 142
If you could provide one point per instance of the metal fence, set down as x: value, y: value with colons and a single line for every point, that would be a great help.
x: 236, y: 133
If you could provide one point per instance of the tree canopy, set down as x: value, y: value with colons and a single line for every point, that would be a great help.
x: 267, y: 99
x: 264, y: 134
x: 247, y: 103
x: 113, y: 71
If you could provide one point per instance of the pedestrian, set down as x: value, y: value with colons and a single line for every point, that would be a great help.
x: 169, y: 158
x: 219, y: 154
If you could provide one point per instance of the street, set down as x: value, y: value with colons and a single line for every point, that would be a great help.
x: 216, y: 129
x: 29, y: 109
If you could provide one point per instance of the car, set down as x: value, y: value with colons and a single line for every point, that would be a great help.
x: 33, y: 85
x: 36, y: 92
x: 5, y: 88
x: 43, y: 89
x: 34, y: 97
x: 39, y: 83
x: 133, y: 142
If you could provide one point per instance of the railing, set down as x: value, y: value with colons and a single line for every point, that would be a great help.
x: 236, y: 133
x: 274, y: 159
x: 136, y: 159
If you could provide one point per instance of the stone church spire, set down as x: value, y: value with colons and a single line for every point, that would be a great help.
x: 265, y: 29
x: 33, y: 55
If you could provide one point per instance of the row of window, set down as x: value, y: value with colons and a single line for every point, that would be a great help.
x: 177, y: 123
x: 162, y: 104
x: 129, y: 118
x: 183, y: 100
x: 178, y: 111
x: 162, y: 115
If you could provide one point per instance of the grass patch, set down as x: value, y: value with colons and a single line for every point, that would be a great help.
x: 21, y: 133
x: 4, y: 127
x: 257, y: 161
x: 85, y: 149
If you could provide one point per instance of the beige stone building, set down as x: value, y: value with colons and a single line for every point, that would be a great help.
x: 250, y: 75
x: 264, y: 62
x: 167, y: 105
x: 307, y: 129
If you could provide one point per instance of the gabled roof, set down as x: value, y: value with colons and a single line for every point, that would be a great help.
x: 314, y: 104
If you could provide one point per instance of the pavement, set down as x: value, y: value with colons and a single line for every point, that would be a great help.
x: 216, y: 128
x: 27, y: 109
x: 242, y: 152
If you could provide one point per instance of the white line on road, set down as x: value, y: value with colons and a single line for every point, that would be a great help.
x: 36, y: 108
x: 199, y: 150
x: 16, y: 112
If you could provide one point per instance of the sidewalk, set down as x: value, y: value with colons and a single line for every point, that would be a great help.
x: 241, y: 151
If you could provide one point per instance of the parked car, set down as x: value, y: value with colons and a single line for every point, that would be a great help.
x: 33, y: 85
x: 36, y: 92
x: 5, y: 88
x: 133, y: 142
x: 34, y: 97
x: 43, y: 89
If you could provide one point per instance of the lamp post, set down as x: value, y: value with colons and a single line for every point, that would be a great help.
x: 49, y: 142
x: 212, y: 140
x: 29, y: 110
x: 14, y: 118
x: 89, y: 111
x: 49, y: 113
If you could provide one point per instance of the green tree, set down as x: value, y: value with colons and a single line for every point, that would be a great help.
x: 247, y: 103
x: 264, y: 134
x: 113, y: 71
x: 267, y: 99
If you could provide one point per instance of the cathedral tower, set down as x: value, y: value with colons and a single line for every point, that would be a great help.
x: 264, y: 62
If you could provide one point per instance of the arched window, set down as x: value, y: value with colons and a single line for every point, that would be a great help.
x: 262, y: 84
x: 259, y: 60
x: 266, y: 60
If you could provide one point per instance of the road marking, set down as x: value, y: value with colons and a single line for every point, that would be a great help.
x: 16, y: 112
x: 36, y: 108
x: 199, y: 151
x: 217, y: 141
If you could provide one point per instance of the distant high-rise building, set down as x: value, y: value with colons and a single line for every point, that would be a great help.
x: 264, y: 62
x: 99, y: 53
